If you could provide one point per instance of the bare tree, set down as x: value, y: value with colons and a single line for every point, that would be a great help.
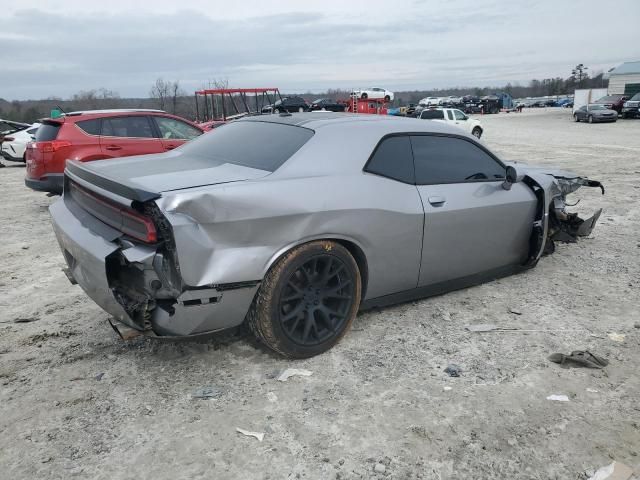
x: 160, y: 91
x: 579, y: 73
x: 176, y: 93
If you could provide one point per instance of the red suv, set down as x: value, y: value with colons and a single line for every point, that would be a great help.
x: 98, y: 135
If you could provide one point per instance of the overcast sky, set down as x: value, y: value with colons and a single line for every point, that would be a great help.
x: 56, y: 48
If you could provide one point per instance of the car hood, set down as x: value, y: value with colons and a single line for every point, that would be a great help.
x: 171, y: 171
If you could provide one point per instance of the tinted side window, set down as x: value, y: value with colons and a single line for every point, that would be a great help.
x: 170, y: 128
x: 451, y: 160
x: 393, y: 158
x: 432, y: 115
x: 92, y: 127
x: 449, y: 115
x: 47, y: 132
x: 132, y: 127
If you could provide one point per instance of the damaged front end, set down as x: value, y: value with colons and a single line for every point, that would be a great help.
x: 553, y: 222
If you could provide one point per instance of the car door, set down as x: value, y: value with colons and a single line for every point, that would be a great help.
x: 472, y: 224
x: 123, y: 136
x: 461, y: 120
x: 174, y: 132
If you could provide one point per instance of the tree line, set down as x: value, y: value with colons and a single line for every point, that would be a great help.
x: 171, y: 97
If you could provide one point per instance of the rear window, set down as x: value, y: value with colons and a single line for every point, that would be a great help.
x: 432, y: 114
x: 47, y: 132
x: 261, y: 145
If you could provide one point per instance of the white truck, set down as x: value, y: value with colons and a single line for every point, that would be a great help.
x: 453, y: 116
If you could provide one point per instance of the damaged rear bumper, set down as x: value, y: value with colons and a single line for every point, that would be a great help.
x: 130, y: 282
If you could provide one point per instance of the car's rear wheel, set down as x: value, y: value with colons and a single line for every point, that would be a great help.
x: 301, y: 109
x: 477, y: 132
x: 277, y: 110
x: 308, y: 300
x: 364, y: 96
x: 590, y: 119
x: 575, y: 118
x: 387, y: 98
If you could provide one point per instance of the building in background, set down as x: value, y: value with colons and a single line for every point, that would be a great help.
x: 625, y: 79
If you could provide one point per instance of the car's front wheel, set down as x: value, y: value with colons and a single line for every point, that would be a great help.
x: 364, y: 96
x: 575, y: 118
x: 301, y: 109
x: 308, y: 300
x: 590, y: 119
x: 387, y: 98
x: 277, y: 110
x: 477, y: 132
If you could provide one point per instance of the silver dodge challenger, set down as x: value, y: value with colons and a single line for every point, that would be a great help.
x: 293, y: 223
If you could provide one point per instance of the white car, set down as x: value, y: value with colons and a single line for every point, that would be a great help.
x: 374, y: 93
x: 453, y: 116
x: 428, y: 101
x: 14, y: 145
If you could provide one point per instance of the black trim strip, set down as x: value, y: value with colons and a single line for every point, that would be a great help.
x: 441, y: 287
x: 127, y: 190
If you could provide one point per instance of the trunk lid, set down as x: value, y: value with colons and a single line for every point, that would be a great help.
x: 147, y: 176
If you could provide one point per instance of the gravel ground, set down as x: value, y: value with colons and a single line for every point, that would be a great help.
x: 77, y: 402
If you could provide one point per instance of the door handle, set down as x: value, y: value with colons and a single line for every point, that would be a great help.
x: 170, y: 147
x: 437, y: 200
x: 113, y: 147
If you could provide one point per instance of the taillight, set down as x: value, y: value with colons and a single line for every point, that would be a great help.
x: 53, y: 146
x: 124, y: 219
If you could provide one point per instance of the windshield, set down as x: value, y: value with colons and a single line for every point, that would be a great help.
x: 320, y: 100
x: 610, y: 98
x: 636, y: 97
x: 254, y: 144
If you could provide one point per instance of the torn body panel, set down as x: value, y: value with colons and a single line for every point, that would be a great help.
x: 553, y: 185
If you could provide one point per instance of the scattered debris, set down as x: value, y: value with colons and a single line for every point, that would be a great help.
x: 616, y: 337
x: 592, y: 390
x: 26, y: 319
x: 579, y: 358
x: 482, y: 327
x: 615, y: 471
x: 290, y: 372
x: 515, y: 311
x: 272, y: 397
x: 206, y: 393
x: 558, y: 398
x: 25, y: 247
x: 453, y: 370
x: 379, y: 468
x: 446, y: 389
x: 99, y: 376
x: 636, y: 325
x: 258, y: 435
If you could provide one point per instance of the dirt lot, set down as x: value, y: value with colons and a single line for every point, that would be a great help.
x: 77, y: 402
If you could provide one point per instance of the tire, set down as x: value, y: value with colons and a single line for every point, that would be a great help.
x: 364, y: 96
x: 575, y: 118
x: 477, y: 132
x: 300, y: 109
x: 291, y: 313
x: 590, y: 119
x: 387, y: 98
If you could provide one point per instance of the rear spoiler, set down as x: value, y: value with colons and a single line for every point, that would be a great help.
x: 78, y: 170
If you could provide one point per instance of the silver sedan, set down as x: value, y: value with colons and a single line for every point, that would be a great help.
x: 293, y: 223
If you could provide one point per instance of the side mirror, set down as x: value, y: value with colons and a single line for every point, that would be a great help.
x: 511, y: 177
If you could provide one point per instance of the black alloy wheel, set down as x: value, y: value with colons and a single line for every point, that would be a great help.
x: 316, y: 300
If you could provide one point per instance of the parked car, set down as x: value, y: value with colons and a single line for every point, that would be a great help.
x: 100, y: 134
x: 9, y: 126
x: 294, y: 223
x: 14, y: 145
x: 287, y: 104
x: 326, y: 104
x: 429, y: 101
x: 613, y: 102
x: 455, y: 117
x: 374, y: 93
x: 595, y: 113
x: 631, y: 108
